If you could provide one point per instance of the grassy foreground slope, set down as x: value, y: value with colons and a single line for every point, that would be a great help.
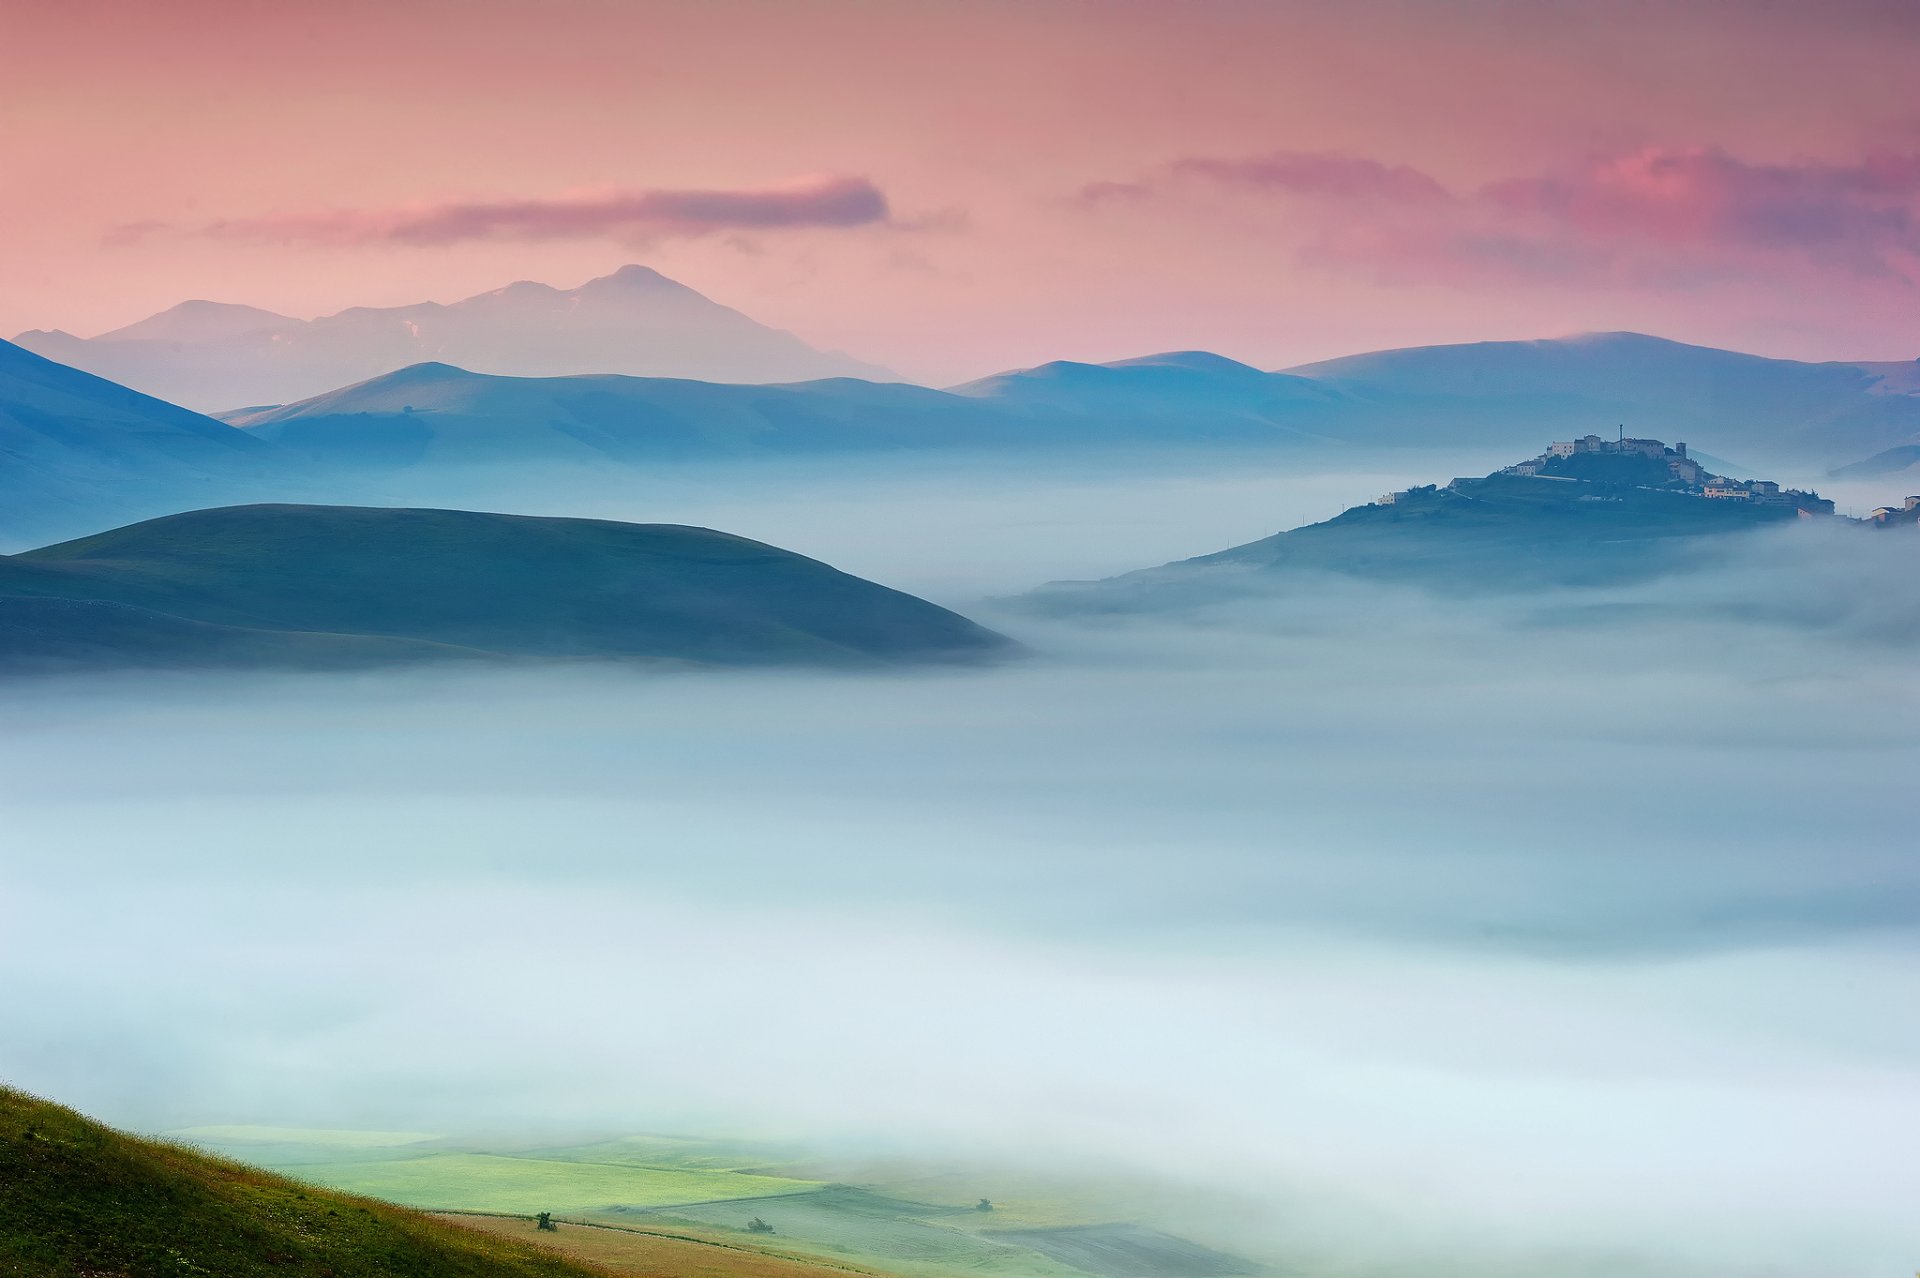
x: 328, y: 585
x: 78, y: 1198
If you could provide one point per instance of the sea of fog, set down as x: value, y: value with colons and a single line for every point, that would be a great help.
x: 1440, y: 934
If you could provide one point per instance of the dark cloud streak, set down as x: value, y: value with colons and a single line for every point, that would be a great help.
x: 831, y: 203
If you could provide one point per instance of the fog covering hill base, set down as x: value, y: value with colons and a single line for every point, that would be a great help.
x: 213, y: 355
x: 1476, y: 936
x: 78, y: 1198
x: 332, y: 587
x: 435, y: 434
x: 1504, y: 533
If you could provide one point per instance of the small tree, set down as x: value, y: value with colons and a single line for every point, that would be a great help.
x: 545, y: 1221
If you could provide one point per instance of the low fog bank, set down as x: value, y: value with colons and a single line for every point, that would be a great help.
x: 1578, y: 927
x: 952, y: 526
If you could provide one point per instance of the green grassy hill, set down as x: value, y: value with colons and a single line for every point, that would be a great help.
x: 79, y: 1199
x: 336, y: 585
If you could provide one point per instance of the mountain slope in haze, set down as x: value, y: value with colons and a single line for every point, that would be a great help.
x: 1196, y: 386
x: 435, y: 412
x: 1884, y: 464
x: 74, y: 446
x: 78, y: 1198
x: 438, y: 413
x: 339, y: 585
x: 216, y: 356
x: 1722, y: 400
x: 1484, y: 396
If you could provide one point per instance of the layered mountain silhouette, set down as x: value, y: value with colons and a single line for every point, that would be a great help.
x: 215, y: 356
x: 77, y: 451
x: 336, y: 586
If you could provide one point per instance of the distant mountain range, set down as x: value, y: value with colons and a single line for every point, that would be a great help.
x: 333, y: 586
x: 217, y: 356
x: 1586, y: 519
x: 435, y: 413
x: 1502, y: 394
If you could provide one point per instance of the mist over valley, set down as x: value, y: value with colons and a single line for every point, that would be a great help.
x: 953, y: 641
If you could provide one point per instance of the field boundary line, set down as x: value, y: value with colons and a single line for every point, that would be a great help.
x: 803, y: 1258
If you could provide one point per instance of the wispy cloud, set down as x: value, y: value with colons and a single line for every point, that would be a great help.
x: 1673, y: 214
x: 1862, y: 215
x: 831, y: 202
x: 1322, y: 174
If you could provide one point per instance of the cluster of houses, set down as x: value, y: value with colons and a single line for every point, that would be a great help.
x: 1886, y: 516
x: 1683, y: 472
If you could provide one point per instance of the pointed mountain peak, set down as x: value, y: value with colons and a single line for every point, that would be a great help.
x: 633, y: 280
x: 632, y: 275
x: 519, y: 290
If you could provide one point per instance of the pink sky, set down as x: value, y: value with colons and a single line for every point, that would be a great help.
x: 954, y: 188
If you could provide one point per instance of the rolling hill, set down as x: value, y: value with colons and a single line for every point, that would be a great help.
x: 1209, y: 395
x: 328, y: 586
x: 217, y: 356
x: 73, y: 446
x: 1578, y: 521
x: 1724, y: 401
x: 77, y: 1198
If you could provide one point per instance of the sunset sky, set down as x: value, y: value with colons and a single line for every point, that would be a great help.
x: 951, y: 189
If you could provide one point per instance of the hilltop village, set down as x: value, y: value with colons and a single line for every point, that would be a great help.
x: 1651, y: 464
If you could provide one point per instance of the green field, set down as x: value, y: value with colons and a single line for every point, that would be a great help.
x: 669, y: 1151
x: 928, y: 1240
x: 916, y: 1222
x: 498, y: 1182
x: 326, y: 1137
